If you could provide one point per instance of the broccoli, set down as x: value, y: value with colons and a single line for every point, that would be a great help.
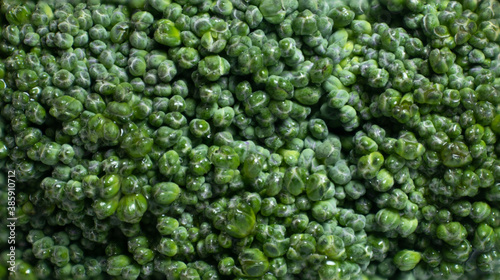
x: 255, y: 139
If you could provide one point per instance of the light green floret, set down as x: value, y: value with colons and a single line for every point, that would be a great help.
x: 167, y: 34
x: 369, y: 165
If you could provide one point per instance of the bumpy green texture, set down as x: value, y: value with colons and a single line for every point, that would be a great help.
x: 250, y: 139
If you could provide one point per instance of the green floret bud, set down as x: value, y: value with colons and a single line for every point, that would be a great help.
x: 480, y: 211
x: 226, y: 266
x: 118, y: 111
x: 441, y: 60
x: 342, y: 16
x: 253, y: 16
x: 484, y: 238
x: 288, y: 47
x: 116, y: 264
x: 271, y: 52
x: 274, y: 11
x: 187, y: 57
x: 29, y: 136
x: 199, y: 128
x: 390, y: 39
x: 110, y: 185
x: 240, y: 220
x: 407, y: 226
x: 317, y: 186
x: 387, y: 219
x: 222, y: 7
x: 223, y: 117
x: 167, y: 70
x: 66, y: 108
x: 308, y: 95
x: 18, y: 14
x: 305, y: 23
x: 321, y: 70
x: 431, y: 94
x: 301, y: 245
x: 486, y: 262
x: 432, y: 257
x: 166, y: 225
x: 495, y: 124
x: 406, y: 260
x: 252, y: 164
x: 383, y: 181
x: 331, y: 246
x: 339, y: 173
x: 458, y: 253
x: 168, y: 247
x: 408, y: 150
x: 165, y: 193
x: 294, y: 180
x: 167, y: 34
x: 63, y: 40
x: 377, y: 78
x: 253, y: 262
x: 279, y: 88
x: 32, y: 39
x: 104, y: 208
x: 43, y: 247
x: 456, y: 154
x: 169, y: 163
x: 256, y: 102
x: 60, y: 256
x: 199, y: 164
x: 120, y: 32
x: 27, y: 79
x: 337, y: 98
x: 365, y: 145
x: 225, y: 157
x: 166, y: 137
x: 380, y: 246
x: 213, y: 67
x: 318, y: 128
x: 12, y: 35
x: 138, y: 39
x: 452, y: 233
x: 131, y: 208
x: 136, y: 144
x: 137, y: 66
x: 369, y: 165
x: 324, y: 210
x: 215, y: 40
x: 490, y: 29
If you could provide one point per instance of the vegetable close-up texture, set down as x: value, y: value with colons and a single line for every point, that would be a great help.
x: 250, y: 139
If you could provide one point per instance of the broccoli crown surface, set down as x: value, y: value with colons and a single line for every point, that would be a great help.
x: 250, y: 139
